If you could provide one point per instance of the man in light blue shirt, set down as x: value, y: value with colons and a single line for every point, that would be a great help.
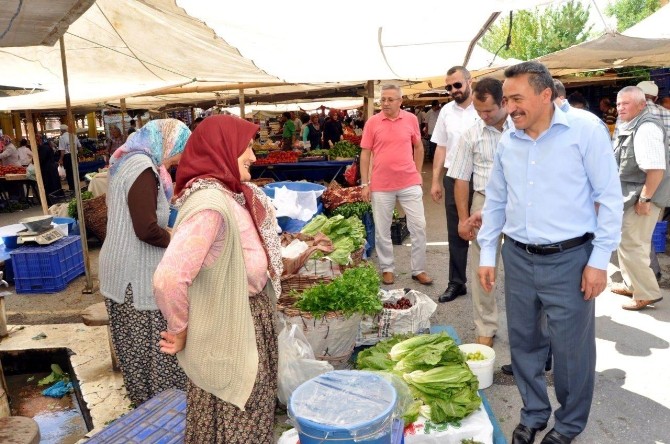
x: 548, y: 175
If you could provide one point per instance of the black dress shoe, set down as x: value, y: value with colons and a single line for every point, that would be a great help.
x: 452, y: 292
x: 507, y: 369
x: 525, y: 435
x: 554, y: 437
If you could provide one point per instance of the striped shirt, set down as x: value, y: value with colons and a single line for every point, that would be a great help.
x: 475, y: 152
x: 662, y: 113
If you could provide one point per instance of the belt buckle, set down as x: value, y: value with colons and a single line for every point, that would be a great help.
x: 527, y: 249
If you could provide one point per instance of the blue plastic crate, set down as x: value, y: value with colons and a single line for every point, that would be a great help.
x: 47, y: 268
x: 658, y: 238
x: 160, y: 420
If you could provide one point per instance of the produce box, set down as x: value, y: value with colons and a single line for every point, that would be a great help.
x: 47, y: 268
x: 399, y: 230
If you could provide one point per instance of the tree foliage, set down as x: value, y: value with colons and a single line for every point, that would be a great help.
x: 629, y: 12
x: 540, y: 31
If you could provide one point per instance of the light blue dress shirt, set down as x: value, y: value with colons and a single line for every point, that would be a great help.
x: 543, y: 191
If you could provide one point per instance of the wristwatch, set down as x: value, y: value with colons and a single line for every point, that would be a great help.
x: 365, y: 184
x: 644, y: 199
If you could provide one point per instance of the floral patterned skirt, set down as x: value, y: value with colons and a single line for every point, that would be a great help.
x: 135, y: 335
x: 212, y: 420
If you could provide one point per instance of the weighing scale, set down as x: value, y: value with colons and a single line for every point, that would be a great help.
x: 46, y: 237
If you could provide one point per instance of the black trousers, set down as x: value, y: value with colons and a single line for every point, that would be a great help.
x: 67, y: 164
x: 458, y: 247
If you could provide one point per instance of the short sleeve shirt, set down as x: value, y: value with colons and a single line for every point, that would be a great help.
x: 392, y: 144
x: 451, y: 123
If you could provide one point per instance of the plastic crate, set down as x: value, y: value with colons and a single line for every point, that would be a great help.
x: 399, y: 230
x: 162, y: 419
x: 658, y: 238
x: 47, y: 268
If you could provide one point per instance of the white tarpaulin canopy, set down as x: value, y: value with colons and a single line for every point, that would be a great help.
x: 27, y: 23
x: 120, y: 47
x: 645, y: 44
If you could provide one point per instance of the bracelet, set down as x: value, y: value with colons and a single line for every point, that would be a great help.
x: 365, y: 184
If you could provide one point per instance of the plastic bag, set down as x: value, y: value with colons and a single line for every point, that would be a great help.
x: 296, y: 362
x: 351, y: 174
x: 61, y: 172
x: 392, y: 321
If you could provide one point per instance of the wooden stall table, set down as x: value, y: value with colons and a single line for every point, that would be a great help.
x: 311, y: 171
x: 90, y: 167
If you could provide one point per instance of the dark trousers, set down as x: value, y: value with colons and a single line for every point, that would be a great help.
x: 67, y: 164
x: 549, y: 285
x: 458, y: 247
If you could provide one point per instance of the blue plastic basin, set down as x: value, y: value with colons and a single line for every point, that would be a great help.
x: 344, y: 407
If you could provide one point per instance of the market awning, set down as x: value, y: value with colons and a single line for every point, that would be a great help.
x: 37, y: 22
x: 121, y: 46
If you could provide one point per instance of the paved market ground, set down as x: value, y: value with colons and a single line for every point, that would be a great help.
x: 632, y: 394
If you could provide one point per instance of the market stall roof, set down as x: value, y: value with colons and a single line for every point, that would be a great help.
x: 268, y: 110
x: 38, y: 22
x: 119, y: 47
x: 655, y: 26
x: 645, y: 44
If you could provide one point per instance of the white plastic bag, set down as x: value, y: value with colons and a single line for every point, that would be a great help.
x: 61, y: 172
x: 392, y: 321
x: 296, y: 362
x: 332, y: 338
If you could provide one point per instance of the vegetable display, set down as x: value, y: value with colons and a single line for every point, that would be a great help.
x: 401, y: 304
x: 344, y: 149
x: 278, y: 157
x: 347, y: 235
x: 476, y: 356
x: 72, y: 206
x: 11, y: 169
x: 357, y: 209
x: 354, y: 292
x: 434, y: 369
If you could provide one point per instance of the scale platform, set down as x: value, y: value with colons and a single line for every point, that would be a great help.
x: 45, y: 237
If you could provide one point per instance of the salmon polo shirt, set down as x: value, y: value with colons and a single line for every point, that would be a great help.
x: 392, y: 144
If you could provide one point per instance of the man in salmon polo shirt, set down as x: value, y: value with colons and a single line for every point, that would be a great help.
x: 392, y: 138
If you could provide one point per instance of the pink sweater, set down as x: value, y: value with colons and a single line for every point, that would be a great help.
x: 197, y: 243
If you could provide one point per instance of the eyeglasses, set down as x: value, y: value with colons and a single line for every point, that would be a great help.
x: 457, y: 85
x: 387, y: 99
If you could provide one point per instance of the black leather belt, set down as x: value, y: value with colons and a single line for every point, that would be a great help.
x: 552, y: 248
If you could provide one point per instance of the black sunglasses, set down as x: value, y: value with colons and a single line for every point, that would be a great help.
x: 457, y: 85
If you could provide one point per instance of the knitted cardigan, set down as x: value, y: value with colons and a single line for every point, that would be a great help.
x: 220, y: 355
x: 123, y: 257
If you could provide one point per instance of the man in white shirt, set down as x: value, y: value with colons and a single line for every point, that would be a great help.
x: 65, y: 158
x: 454, y: 118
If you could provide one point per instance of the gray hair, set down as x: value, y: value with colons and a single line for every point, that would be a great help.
x: 392, y: 86
x: 636, y: 93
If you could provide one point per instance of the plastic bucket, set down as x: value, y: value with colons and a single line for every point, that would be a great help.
x: 483, y: 369
x: 344, y: 407
x: 269, y: 189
